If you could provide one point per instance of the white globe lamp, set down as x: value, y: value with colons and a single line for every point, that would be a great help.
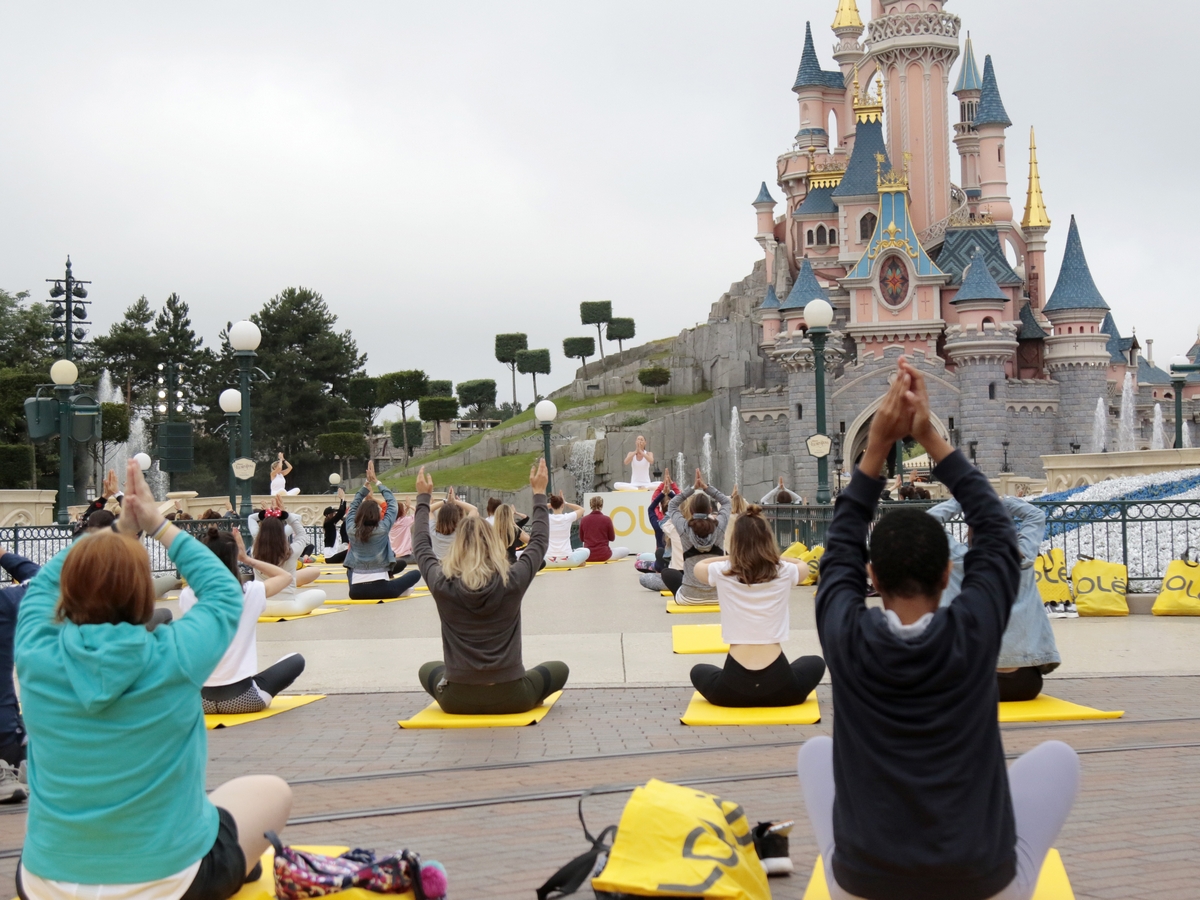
x: 143, y: 461
x: 818, y: 313
x: 230, y: 400
x: 335, y: 479
x: 545, y: 411
x: 244, y: 336
x: 64, y: 372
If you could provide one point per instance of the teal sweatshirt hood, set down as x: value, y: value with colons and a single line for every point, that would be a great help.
x: 102, y: 661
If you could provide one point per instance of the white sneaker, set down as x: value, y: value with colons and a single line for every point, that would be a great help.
x: 1059, y: 610
x: 1071, y: 612
x: 12, y: 790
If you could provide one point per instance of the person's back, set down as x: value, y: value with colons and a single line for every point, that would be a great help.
x: 911, y: 798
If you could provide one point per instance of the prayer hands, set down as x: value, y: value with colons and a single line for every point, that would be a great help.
x: 894, y: 418
x: 539, y: 477
x: 139, y: 511
x: 371, y: 479
x: 341, y: 493
x: 111, y: 488
x: 243, y: 556
x: 424, y: 482
x: 699, y: 484
x: 666, y: 477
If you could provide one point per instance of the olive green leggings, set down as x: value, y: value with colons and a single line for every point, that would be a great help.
x: 517, y: 696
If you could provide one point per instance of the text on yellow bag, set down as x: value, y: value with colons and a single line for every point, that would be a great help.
x: 812, y: 559
x: 676, y: 840
x: 1180, y: 594
x: 1050, y: 572
x: 1100, y: 588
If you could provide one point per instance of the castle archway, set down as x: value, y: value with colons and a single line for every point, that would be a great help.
x: 859, y: 430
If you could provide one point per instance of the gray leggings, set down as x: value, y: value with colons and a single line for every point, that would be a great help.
x: 1043, y: 784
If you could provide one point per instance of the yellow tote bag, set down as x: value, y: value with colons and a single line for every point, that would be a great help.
x: 675, y: 841
x: 813, y: 560
x: 1100, y: 588
x: 1050, y: 572
x: 795, y: 551
x: 1180, y: 594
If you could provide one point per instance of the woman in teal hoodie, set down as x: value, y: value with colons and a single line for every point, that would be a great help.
x: 117, y: 746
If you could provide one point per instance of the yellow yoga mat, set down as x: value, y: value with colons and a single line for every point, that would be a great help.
x: 264, y: 888
x: 701, y: 712
x: 1045, y: 708
x: 330, y: 581
x: 433, y: 717
x: 1053, y: 883
x: 697, y: 639
x: 373, y: 602
x: 319, y: 611
x: 280, y: 704
x: 673, y: 607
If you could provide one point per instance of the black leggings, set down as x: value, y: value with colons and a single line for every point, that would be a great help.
x: 243, y: 696
x: 335, y: 558
x: 1023, y: 684
x: 383, y: 590
x: 517, y: 696
x: 673, y: 579
x: 779, y: 684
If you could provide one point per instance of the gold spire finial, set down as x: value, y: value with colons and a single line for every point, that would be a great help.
x: 866, y: 107
x: 1035, y: 206
x: 891, y: 182
x: 847, y: 16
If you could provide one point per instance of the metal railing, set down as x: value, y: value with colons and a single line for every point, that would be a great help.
x: 1143, y: 535
x: 40, y: 543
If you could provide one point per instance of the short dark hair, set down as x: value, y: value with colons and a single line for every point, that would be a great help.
x: 909, y: 553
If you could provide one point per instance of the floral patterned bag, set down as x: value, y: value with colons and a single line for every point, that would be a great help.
x: 300, y: 874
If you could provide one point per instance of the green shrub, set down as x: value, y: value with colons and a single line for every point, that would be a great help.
x: 16, y: 463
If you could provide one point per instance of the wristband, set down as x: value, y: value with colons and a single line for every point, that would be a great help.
x: 161, y: 530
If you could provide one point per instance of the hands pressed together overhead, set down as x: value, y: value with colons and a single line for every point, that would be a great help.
x: 904, y: 412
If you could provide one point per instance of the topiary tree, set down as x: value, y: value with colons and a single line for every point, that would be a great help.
x: 403, y: 388
x: 654, y: 377
x: 363, y: 395
x: 620, y: 330
x: 477, y: 396
x: 535, y: 363
x: 440, y: 389
x: 596, y: 312
x: 579, y: 348
x: 347, y: 426
x: 438, y: 410
x: 407, y: 434
x: 507, y: 348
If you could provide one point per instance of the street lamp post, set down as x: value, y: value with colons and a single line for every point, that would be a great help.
x: 231, y: 404
x: 818, y: 315
x: 66, y: 294
x: 546, y: 412
x: 244, y: 338
x: 1180, y: 366
x: 63, y: 373
x: 1004, y: 444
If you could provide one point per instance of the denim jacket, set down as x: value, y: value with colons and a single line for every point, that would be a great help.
x: 375, y: 554
x: 1029, y: 639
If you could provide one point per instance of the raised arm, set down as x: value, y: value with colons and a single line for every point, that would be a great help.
x: 18, y: 567
x: 422, y: 541
x: 539, y: 537
x: 276, y: 578
x: 673, y: 512
x: 945, y: 511
x: 629, y: 456
x: 393, y: 508
x: 1031, y: 528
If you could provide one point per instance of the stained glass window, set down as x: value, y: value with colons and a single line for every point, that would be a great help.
x: 893, y: 281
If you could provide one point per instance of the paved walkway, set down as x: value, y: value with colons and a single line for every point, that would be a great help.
x: 497, y: 806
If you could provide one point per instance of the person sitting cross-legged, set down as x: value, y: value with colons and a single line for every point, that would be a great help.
x: 754, y: 586
x: 478, y: 595
x: 117, y: 744
x: 910, y: 798
x: 597, y: 534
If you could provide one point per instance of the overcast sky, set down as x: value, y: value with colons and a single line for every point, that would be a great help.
x: 444, y: 171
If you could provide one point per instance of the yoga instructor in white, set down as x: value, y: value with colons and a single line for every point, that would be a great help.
x: 639, y: 461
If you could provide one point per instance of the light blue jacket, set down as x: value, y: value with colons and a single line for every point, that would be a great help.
x: 375, y: 554
x: 1029, y: 639
x: 117, y: 747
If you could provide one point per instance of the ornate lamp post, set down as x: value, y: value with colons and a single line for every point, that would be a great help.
x: 1004, y: 444
x: 244, y: 338
x: 818, y: 315
x: 231, y: 404
x: 546, y: 412
x: 63, y: 373
x: 1180, y: 367
x: 68, y: 312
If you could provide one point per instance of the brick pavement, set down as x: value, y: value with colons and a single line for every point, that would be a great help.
x: 1132, y: 833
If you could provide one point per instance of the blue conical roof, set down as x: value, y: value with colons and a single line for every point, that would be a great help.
x: 1075, y: 288
x: 806, y: 288
x: 968, y: 75
x: 771, y: 301
x: 991, y: 107
x: 810, y: 73
x: 764, y: 196
x: 978, y: 283
x: 862, y: 171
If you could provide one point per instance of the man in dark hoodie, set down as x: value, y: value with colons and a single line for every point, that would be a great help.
x: 910, y: 799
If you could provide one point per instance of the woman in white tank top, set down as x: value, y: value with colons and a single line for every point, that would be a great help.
x: 639, y: 461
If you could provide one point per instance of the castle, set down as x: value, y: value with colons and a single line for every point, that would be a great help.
x: 873, y: 221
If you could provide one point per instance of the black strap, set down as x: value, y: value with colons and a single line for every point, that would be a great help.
x: 571, y: 877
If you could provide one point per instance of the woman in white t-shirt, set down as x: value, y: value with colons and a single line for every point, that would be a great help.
x: 559, y: 554
x: 236, y: 686
x: 754, y: 586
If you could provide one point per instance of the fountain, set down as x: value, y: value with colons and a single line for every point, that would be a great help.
x: 117, y: 455
x: 1157, y: 439
x: 706, y: 458
x: 735, y: 445
x: 680, y: 475
x: 1187, y: 435
x: 582, y: 464
x: 1125, y: 436
x: 1100, y: 428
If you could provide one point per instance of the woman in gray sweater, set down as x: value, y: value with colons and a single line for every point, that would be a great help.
x: 702, y: 535
x: 478, y: 595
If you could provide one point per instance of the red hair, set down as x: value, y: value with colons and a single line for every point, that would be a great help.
x: 106, y: 580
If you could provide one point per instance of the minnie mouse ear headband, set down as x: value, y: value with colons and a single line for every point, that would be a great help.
x: 274, y: 514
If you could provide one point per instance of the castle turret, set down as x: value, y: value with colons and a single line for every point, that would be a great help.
x: 1035, y: 224
x: 805, y: 289
x: 1077, y: 355
x: 764, y: 207
x: 990, y: 123
x: 817, y: 92
x: 768, y: 316
x: 967, y: 90
x: 848, y: 27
